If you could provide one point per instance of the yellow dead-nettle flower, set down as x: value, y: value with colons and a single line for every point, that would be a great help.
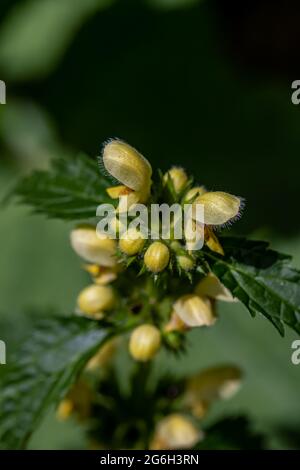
x: 195, y: 310
x: 144, y: 342
x: 131, y: 242
x: 214, y: 383
x: 93, y: 247
x: 94, y: 300
x: 210, y: 286
x: 129, y: 167
x: 219, y: 207
x: 157, y: 257
x: 178, y: 177
x: 175, y: 432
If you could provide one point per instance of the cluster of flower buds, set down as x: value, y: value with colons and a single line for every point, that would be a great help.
x: 106, y: 257
x: 130, y: 168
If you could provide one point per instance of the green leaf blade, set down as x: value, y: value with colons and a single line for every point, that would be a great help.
x: 261, y: 279
x: 71, y: 190
x: 42, y: 373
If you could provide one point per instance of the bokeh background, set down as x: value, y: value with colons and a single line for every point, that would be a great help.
x: 201, y: 83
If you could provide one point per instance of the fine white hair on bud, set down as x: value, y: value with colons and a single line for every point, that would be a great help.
x: 175, y: 431
x: 195, y: 310
x: 93, y: 247
x: 96, y: 299
x: 144, y: 342
x: 178, y: 177
x: 127, y: 165
x: 219, y: 207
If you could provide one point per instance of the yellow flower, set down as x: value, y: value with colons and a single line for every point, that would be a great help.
x: 144, y: 342
x: 129, y: 167
x: 175, y: 432
x: 157, y: 257
x: 93, y: 247
x: 195, y: 310
x: 94, y: 300
x: 219, y: 207
x: 210, y: 286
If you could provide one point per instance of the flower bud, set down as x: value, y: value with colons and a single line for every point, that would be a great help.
x: 185, y: 262
x: 175, y: 432
x: 195, y: 310
x: 214, y: 383
x: 178, y: 177
x: 210, y: 286
x: 131, y: 242
x: 219, y: 207
x: 157, y: 257
x: 95, y: 299
x: 144, y: 342
x: 193, y: 192
x: 93, y: 247
x: 127, y: 165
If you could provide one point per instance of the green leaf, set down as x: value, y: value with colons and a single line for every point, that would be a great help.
x: 232, y: 433
x: 43, y: 371
x: 260, y: 278
x: 72, y: 189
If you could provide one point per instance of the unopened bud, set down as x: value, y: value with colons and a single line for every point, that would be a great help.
x: 131, y: 242
x: 195, y: 310
x: 185, y: 262
x: 127, y: 165
x: 144, y: 342
x: 210, y: 286
x: 219, y: 207
x: 178, y: 177
x: 93, y: 247
x: 175, y: 432
x: 96, y: 299
x: 157, y: 257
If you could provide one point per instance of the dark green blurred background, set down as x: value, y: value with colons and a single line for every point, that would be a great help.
x: 205, y: 84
